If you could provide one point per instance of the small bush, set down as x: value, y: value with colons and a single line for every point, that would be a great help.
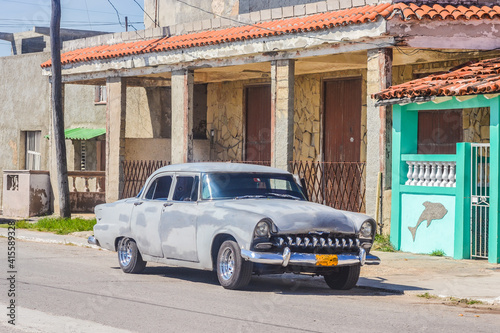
x: 58, y: 225
x: 382, y: 243
x: 438, y: 253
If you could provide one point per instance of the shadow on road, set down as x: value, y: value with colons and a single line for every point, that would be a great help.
x: 292, y: 284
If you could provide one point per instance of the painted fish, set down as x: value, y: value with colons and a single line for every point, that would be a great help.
x: 432, y: 211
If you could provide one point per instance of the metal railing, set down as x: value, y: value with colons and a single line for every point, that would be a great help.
x: 480, y: 199
x: 135, y: 174
x: 337, y: 184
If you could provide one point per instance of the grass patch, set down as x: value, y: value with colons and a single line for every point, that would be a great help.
x: 383, y: 244
x: 58, y: 225
x: 437, y: 253
x: 466, y: 301
x: 427, y: 296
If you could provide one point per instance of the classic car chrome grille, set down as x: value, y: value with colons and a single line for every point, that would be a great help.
x: 315, y: 243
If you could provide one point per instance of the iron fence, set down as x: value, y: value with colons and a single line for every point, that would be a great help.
x: 337, y: 184
x: 135, y: 174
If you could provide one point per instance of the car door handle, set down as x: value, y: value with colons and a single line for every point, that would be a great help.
x: 138, y: 203
x: 168, y: 204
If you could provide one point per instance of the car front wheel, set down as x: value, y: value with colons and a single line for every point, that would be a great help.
x: 345, y: 279
x: 129, y: 257
x: 233, y: 271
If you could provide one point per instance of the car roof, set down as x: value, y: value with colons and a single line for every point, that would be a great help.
x: 219, y: 167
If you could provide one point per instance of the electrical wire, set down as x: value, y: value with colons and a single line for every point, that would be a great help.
x: 65, y: 8
x: 145, y: 12
x: 117, y: 14
x: 88, y: 16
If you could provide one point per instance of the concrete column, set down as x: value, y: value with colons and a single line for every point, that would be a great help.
x: 182, y: 116
x: 115, y: 137
x: 282, y: 107
x: 379, y: 123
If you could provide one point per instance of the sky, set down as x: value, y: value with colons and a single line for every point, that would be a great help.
x: 97, y: 15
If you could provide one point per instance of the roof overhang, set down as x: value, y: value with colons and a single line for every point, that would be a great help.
x: 81, y: 133
x: 344, y: 39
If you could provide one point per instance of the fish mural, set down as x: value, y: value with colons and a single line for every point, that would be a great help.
x: 432, y: 211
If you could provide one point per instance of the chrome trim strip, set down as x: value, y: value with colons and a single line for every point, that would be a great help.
x: 306, y: 259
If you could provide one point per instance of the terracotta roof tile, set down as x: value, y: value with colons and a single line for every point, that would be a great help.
x: 478, y: 78
x: 323, y: 21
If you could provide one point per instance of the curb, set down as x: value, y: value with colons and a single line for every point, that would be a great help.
x: 382, y: 289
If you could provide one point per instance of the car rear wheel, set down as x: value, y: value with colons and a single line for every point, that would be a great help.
x: 129, y: 257
x: 233, y: 271
x: 345, y: 279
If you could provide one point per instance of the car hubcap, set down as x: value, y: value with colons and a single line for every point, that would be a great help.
x: 125, y: 253
x: 226, y: 265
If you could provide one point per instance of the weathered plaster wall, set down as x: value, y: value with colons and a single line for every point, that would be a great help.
x: 24, y: 96
x: 80, y: 110
x: 160, y: 149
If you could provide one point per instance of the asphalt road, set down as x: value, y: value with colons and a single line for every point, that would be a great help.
x: 61, y: 288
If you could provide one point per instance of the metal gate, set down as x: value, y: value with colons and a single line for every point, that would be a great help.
x: 480, y: 199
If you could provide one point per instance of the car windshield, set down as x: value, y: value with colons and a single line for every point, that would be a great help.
x: 249, y: 185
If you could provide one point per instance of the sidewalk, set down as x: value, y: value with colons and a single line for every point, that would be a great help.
x: 399, y: 272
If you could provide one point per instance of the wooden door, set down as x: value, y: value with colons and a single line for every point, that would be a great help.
x: 439, y: 131
x: 258, y: 124
x: 342, y: 120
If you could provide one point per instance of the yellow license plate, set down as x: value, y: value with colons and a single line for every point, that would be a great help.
x: 326, y: 260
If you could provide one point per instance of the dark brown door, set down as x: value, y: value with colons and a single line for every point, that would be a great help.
x: 342, y: 120
x: 258, y: 124
x: 439, y: 131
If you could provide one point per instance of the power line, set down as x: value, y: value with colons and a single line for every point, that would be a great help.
x: 116, y: 10
x: 65, y: 8
x: 88, y: 16
x: 145, y: 12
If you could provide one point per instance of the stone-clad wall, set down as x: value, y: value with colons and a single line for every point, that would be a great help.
x: 225, y: 118
x: 476, y: 124
x: 307, y: 118
x: 225, y: 115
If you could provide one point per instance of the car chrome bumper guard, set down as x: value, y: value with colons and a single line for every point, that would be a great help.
x: 92, y: 240
x: 309, y: 259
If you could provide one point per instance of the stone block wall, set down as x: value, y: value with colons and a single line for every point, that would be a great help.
x: 226, y: 109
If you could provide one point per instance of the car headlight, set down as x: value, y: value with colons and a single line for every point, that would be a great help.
x: 262, y: 230
x: 366, y: 230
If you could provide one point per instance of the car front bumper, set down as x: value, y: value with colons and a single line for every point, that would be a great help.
x: 288, y: 258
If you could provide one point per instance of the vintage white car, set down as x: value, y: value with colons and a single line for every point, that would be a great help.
x: 236, y: 219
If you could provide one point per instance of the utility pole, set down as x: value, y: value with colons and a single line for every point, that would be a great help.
x: 57, y: 111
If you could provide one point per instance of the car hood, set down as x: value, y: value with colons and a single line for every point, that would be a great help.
x: 293, y: 216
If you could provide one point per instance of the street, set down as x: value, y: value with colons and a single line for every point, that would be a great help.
x: 63, y: 288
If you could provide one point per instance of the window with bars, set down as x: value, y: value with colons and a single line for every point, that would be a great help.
x: 33, y: 152
x: 101, y: 95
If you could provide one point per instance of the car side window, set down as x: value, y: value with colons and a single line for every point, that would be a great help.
x: 160, y: 188
x: 186, y: 188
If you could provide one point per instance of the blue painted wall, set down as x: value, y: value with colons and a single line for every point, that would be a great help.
x: 440, y: 235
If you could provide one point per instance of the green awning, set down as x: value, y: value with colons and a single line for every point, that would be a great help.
x: 81, y: 133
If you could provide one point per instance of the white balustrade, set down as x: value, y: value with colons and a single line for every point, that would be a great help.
x: 435, y: 174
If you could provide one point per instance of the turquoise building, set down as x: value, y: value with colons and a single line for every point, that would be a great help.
x: 445, y: 162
